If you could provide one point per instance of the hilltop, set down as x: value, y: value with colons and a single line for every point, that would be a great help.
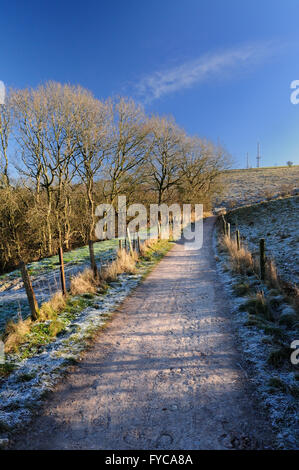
x: 242, y: 187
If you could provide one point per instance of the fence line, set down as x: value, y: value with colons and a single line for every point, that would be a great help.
x: 226, y: 228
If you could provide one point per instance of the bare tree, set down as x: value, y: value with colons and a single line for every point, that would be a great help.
x: 61, y: 102
x: 29, y: 130
x: 93, y: 142
x: 201, y: 163
x: 129, y: 147
x: 162, y: 169
x: 5, y: 129
x: 44, y: 133
x: 74, y: 151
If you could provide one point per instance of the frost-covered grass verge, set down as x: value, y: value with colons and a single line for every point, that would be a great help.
x: 265, y: 324
x: 30, y: 373
x: 45, y: 277
x: 73, y: 257
x: 277, y: 222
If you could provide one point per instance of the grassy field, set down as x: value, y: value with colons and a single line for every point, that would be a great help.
x: 243, y: 187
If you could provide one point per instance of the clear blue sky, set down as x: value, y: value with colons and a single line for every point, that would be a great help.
x: 222, y: 68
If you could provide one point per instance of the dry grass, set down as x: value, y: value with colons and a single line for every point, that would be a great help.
x: 124, y: 263
x: 271, y: 275
x: 50, y: 309
x: 241, y: 260
x: 147, y: 245
x: 16, y: 333
x: 84, y: 283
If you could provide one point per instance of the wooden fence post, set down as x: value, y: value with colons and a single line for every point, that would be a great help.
x: 129, y: 240
x: 228, y: 229
x: 225, y: 228
x: 223, y: 224
x: 92, y: 259
x: 262, y: 259
x: 62, y: 275
x: 238, y: 239
x: 29, y: 291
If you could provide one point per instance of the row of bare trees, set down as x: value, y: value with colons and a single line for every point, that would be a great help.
x: 62, y: 152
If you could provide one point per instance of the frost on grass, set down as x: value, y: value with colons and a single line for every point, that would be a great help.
x: 243, y: 187
x: 277, y: 222
x: 256, y: 345
x: 23, y: 390
x: 45, y: 276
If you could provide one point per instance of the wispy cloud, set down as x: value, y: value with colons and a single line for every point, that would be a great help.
x: 2, y: 92
x: 200, y: 69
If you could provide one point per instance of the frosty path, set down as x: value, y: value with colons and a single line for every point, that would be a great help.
x: 165, y: 374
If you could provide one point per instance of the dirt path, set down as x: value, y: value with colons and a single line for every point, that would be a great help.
x: 164, y: 375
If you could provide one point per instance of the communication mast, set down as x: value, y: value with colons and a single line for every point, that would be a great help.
x: 258, y: 157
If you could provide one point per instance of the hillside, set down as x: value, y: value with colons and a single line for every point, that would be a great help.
x: 265, y: 313
x: 278, y: 222
x: 241, y: 187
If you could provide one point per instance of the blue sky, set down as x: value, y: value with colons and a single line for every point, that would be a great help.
x: 223, y: 69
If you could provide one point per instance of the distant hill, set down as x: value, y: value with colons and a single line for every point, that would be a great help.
x: 241, y: 187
